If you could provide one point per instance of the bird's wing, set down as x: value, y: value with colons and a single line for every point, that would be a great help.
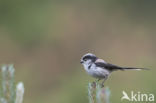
x: 108, y: 66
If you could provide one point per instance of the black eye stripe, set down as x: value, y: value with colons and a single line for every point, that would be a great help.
x: 89, y: 57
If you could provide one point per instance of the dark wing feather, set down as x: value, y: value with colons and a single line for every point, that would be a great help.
x: 108, y: 66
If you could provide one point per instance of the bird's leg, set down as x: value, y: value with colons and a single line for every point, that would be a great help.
x: 102, y: 84
x: 99, y: 79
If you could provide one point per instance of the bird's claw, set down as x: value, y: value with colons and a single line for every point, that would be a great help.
x: 102, y: 85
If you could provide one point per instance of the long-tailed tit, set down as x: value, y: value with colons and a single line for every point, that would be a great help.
x: 100, y: 69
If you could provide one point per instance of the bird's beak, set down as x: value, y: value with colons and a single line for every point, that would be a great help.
x: 81, y: 62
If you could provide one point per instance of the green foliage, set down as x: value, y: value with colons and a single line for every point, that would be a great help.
x: 8, y: 92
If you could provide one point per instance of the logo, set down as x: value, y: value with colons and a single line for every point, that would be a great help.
x: 138, y: 96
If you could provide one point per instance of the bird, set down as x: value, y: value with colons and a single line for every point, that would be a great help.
x: 100, y: 69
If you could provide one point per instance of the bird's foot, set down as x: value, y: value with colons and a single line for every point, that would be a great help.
x: 102, y: 85
x: 98, y: 80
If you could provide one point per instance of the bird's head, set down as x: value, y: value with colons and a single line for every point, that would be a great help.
x: 88, y: 58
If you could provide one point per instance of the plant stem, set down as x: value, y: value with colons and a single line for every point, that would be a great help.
x: 97, y: 94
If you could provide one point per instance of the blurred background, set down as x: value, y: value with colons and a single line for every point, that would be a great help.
x: 45, y: 40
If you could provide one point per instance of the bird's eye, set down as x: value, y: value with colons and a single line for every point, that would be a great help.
x: 85, y: 59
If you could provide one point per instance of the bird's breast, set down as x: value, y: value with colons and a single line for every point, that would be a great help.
x: 96, y: 72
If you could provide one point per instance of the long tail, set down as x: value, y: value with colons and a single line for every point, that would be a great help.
x: 131, y: 68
